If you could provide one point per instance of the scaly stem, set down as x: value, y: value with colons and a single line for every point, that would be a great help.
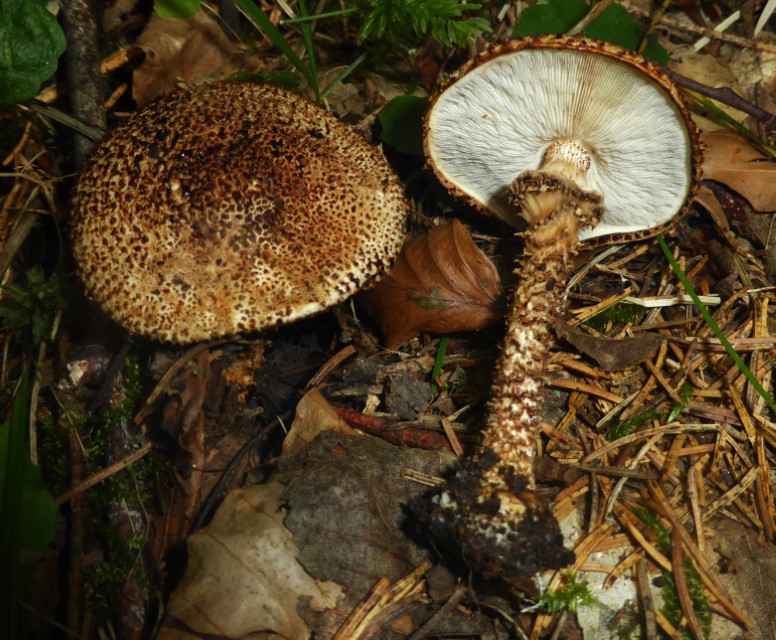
x: 517, y: 392
x: 489, y: 507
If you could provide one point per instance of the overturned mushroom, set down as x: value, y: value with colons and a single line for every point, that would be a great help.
x: 231, y: 208
x: 586, y: 142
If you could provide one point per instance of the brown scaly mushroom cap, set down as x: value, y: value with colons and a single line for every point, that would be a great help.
x: 601, y: 117
x: 231, y: 208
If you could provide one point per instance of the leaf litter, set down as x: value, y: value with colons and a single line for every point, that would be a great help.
x: 667, y: 441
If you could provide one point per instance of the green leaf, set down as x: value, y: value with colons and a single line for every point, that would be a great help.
x: 31, y: 42
x: 617, y: 26
x: 37, y: 518
x: 25, y: 503
x: 614, y: 25
x: 27, y: 510
x: 656, y: 52
x: 569, y: 596
x: 402, y: 123
x: 394, y: 22
x: 176, y: 9
x: 32, y: 306
x: 307, y: 38
x: 264, y: 24
x: 550, y: 16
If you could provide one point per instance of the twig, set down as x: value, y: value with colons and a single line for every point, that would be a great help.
x: 83, y: 69
x: 680, y: 580
x: 76, y: 124
x: 107, y: 472
x: 591, y: 15
x: 208, y: 506
x: 726, y: 96
x: 447, y: 607
x: 672, y: 24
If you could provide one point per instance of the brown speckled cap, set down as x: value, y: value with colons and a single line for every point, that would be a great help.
x: 231, y: 208
x: 501, y: 113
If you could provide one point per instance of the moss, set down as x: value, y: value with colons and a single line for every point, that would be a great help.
x: 671, y: 607
x: 620, y: 313
x: 569, y: 596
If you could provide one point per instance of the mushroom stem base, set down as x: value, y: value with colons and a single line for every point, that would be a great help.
x: 490, y: 507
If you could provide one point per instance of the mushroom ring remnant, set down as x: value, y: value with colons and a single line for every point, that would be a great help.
x: 231, y: 208
x: 586, y: 142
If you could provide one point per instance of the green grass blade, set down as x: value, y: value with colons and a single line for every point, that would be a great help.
x: 318, y: 16
x: 307, y: 38
x: 438, y: 362
x: 13, y: 454
x: 713, y: 325
x: 343, y: 75
x: 264, y: 24
x: 719, y: 113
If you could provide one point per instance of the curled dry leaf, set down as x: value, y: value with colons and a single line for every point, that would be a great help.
x: 243, y: 575
x: 293, y: 556
x: 713, y: 72
x: 610, y: 354
x: 706, y: 198
x: 314, y: 415
x: 729, y: 159
x: 187, y: 49
x: 441, y: 282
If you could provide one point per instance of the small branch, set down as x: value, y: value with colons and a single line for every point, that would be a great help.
x: 672, y: 24
x: 95, y: 479
x: 726, y: 96
x: 83, y: 70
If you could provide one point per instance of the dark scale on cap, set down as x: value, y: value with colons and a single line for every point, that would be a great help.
x: 195, y: 180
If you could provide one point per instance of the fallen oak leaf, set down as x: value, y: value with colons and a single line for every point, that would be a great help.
x: 441, y: 282
x: 731, y: 160
x: 611, y: 354
x: 244, y: 574
x: 189, y: 49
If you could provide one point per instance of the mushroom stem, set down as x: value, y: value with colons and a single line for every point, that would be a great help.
x: 517, y: 390
x: 555, y: 208
x: 490, y: 507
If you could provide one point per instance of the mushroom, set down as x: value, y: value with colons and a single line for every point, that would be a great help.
x: 587, y: 142
x: 231, y: 208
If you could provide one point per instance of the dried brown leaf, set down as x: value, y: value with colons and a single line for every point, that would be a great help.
x: 747, y: 568
x: 243, y: 576
x: 610, y: 354
x: 706, y: 198
x: 314, y: 415
x: 729, y: 159
x: 711, y: 70
x: 441, y: 282
x: 188, y: 49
